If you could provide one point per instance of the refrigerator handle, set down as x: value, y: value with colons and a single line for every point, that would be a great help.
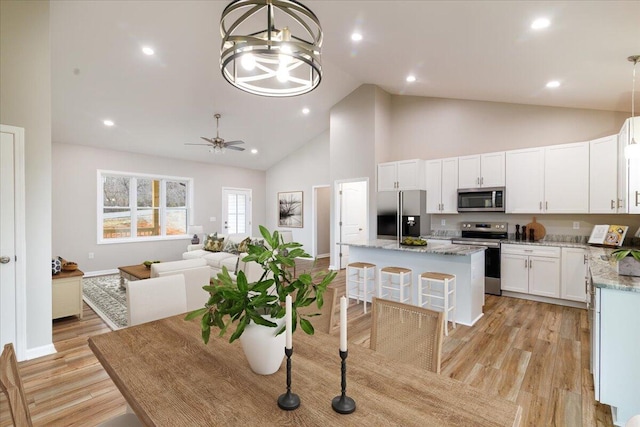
x: 399, y: 216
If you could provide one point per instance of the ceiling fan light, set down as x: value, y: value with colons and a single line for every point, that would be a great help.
x: 287, y: 63
x: 248, y: 61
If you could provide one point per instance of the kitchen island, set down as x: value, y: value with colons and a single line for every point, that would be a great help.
x: 615, y: 336
x: 466, y: 262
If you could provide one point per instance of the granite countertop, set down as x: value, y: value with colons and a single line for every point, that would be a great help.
x: 545, y: 242
x: 444, y: 249
x: 604, y: 273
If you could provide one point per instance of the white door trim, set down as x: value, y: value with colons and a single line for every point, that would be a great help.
x: 20, y: 239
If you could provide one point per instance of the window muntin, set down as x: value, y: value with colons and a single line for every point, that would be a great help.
x: 145, y: 207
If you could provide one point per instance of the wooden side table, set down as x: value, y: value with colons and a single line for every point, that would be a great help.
x: 67, y: 294
x: 133, y: 272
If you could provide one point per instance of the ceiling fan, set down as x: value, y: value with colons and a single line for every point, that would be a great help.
x: 218, y: 144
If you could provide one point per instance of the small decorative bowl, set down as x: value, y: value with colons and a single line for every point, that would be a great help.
x: 70, y: 266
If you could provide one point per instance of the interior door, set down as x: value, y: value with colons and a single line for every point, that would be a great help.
x: 236, y: 211
x: 8, y: 288
x: 353, y: 216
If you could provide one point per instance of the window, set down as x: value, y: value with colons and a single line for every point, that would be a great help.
x: 135, y: 207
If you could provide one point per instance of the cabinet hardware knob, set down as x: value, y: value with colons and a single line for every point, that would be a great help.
x: 530, y: 263
x: 613, y: 204
x: 637, y: 193
x: 5, y: 260
x: 546, y: 206
x: 540, y: 205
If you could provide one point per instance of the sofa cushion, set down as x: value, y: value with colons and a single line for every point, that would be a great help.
x: 214, y: 259
x: 231, y: 263
x: 231, y: 247
x: 185, y: 264
x: 213, y: 243
x: 198, y: 253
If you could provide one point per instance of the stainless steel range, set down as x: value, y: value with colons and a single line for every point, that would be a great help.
x: 486, y: 234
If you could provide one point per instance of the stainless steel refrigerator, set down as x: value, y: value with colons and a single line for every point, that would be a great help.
x: 402, y: 214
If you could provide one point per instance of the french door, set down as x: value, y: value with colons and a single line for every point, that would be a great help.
x: 236, y: 210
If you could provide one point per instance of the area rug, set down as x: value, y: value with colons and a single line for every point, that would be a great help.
x: 104, y: 295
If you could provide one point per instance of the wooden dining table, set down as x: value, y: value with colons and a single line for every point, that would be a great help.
x: 170, y: 378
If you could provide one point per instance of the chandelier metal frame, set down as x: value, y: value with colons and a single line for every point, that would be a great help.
x: 285, y: 61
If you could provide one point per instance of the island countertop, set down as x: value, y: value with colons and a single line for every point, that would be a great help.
x: 604, y: 273
x: 461, y: 250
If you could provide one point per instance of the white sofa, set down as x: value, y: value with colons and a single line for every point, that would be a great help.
x: 196, y: 274
x: 216, y: 260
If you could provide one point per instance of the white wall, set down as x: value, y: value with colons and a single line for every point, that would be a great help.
x: 25, y: 101
x: 299, y: 171
x: 75, y: 203
x: 433, y: 128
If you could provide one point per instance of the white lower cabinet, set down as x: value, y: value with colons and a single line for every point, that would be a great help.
x: 574, y: 274
x: 531, y: 269
x: 618, y: 370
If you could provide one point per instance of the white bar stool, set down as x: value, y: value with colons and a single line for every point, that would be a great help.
x: 444, y: 295
x: 358, y: 278
x: 402, y: 285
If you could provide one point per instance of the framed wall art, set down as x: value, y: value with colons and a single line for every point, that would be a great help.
x: 290, y: 209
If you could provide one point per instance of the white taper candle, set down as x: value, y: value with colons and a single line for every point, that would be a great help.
x: 343, y: 324
x: 288, y: 321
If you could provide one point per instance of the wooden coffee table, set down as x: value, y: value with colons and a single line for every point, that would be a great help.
x: 133, y: 272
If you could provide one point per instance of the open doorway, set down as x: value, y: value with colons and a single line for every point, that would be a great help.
x: 321, y: 236
x: 352, y: 215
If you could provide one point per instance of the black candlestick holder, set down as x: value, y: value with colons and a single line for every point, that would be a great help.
x: 343, y: 404
x: 288, y: 401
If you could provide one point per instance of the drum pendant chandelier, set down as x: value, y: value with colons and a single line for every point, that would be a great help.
x: 271, y: 47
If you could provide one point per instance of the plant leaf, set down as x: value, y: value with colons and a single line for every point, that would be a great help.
x: 306, y: 326
x: 196, y: 313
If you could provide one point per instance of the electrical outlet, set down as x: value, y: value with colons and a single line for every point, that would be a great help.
x: 443, y: 222
x: 90, y: 255
x: 212, y: 218
x: 576, y: 225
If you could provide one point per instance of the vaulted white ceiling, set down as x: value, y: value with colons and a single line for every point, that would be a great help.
x: 480, y: 50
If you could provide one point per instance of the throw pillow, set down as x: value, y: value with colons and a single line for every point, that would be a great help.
x: 213, y: 243
x: 244, y: 245
x: 231, y: 247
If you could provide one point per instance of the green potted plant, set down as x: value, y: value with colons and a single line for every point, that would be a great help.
x: 247, y: 305
x: 628, y: 261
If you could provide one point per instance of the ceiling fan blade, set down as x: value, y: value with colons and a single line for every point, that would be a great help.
x: 210, y: 140
x: 190, y: 143
x: 233, y: 147
x: 234, y: 142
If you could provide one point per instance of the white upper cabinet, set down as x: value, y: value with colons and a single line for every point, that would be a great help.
x: 442, y: 185
x: 629, y: 172
x: 552, y: 179
x: 401, y: 175
x: 525, y: 180
x: 482, y: 170
x: 566, y: 178
x: 603, y: 175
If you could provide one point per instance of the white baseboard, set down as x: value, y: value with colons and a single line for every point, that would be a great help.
x: 100, y: 272
x: 323, y: 256
x: 44, y: 350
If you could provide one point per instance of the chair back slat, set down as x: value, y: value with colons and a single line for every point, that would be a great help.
x: 11, y: 385
x: 407, y: 333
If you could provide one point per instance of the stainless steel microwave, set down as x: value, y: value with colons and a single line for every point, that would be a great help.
x: 490, y: 199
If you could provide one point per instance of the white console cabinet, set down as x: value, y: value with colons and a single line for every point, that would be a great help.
x: 66, y: 294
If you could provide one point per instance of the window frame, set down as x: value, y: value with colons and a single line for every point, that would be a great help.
x: 101, y: 174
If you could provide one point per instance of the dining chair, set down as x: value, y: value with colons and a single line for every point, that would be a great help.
x: 157, y: 298
x: 13, y: 388
x: 326, y: 318
x: 407, y: 333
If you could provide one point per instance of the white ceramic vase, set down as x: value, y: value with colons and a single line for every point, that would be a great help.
x: 262, y: 348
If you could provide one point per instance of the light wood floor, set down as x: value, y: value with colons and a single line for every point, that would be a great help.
x: 534, y: 354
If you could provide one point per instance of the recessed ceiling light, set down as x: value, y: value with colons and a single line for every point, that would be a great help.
x: 254, y: 151
x: 108, y: 122
x: 553, y: 83
x: 356, y: 37
x: 411, y: 79
x: 147, y: 50
x: 305, y: 110
x: 540, y: 23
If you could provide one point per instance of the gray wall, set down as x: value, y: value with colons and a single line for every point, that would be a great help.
x: 75, y: 203
x: 25, y: 101
x: 323, y: 211
x: 434, y: 128
x: 299, y: 171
